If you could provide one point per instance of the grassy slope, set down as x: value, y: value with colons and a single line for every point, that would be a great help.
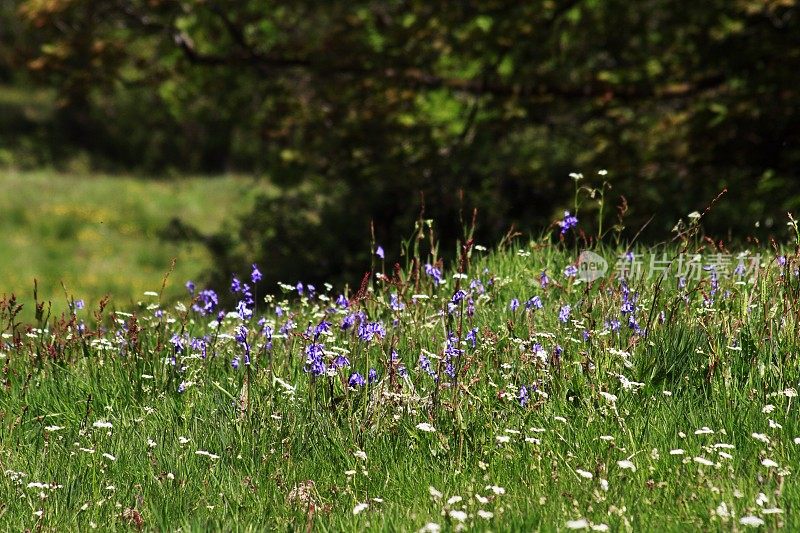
x: 722, y: 366
x: 98, y: 234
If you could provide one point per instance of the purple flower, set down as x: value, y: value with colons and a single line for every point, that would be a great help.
x: 395, y: 303
x: 356, y: 380
x: 514, y: 305
x: 570, y: 221
x: 235, y: 363
x: 315, y: 364
x: 379, y: 252
x: 571, y: 271
x: 299, y: 288
x: 425, y: 364
x: 523, y: 395
x: 372, y: 375
x: 544, y: 280
x: 79, y: 304
x: 236, y: 285
x: 190, y: 287
x: 206, y: 302
x: 342, y: 302
x: 182, y: 387
x: 434, y: 273
x: 340, y: 361
x: 255, y: 274
x: 534, y: 303
x: 348, y: 321
x: 472, y: 337
x: 178, y: 342
x: 563, y: 314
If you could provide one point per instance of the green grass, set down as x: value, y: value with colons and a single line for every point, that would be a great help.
x: 99, y: 234
x: 590, y: 444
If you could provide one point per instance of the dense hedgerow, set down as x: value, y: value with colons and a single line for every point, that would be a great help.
x: 505, y: 392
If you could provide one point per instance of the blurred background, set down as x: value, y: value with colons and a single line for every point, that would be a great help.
x: 222, y: 133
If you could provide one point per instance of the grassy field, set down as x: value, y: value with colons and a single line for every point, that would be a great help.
x: 494, y: 400
x: 99, y: 234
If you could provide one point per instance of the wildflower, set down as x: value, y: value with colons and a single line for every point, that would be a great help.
x: 534, y: 303
x: 569, y: 221
x: 752, y: 521
x: 543, y: 279
x: 486, y: 515
x: 102, y: 424
x: 434, y: 273
x: 459, y: 516
x: 584, y: 474
x: 626, y: 465
x: 472, y: 337
x: 207, y: 454
x: 571, y: 271
x: 360, y: 507
x: 372, y: 376
x: 356, y: 380
x: 514, y: 305
x: 426, y: 427
x: 435, y: 494
x: 255, y: 274
x: 578, y: 524
x: 563, y: 314
x: 379, y: 252
x: 523, y: 395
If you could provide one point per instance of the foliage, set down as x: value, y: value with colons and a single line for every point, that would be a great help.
x: 370, y: 104
x: 649, y: 405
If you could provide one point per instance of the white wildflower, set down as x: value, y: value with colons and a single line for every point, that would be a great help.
x: 360, y: 507
x: 626, y: 465
x: 768, y: 408
x: 502, y: 439
x: 704, y: 431
x: 434, y: 493
x: 677, y: 451
x: 452, y: 500
x: 703, y: 461
x: 578, y: 524
x: 584, y: 473
x: 458, y: 516
x: 207, y: 454
x: 426, y: 427
x: 486, y: 515
x: 769, y: 463
x: 760, y: 436
x: 109, y: 457
x: 102, y: 424
x: 752, y: 521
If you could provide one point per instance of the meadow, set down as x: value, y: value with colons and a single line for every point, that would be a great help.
x: 99, y: 235
x: 503, y: 392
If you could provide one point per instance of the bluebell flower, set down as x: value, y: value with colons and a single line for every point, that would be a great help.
x: 190, y: 287
x: 178, y: 343
x: 571, y: 271
x: 472, y: 337
x: 570, y: 221
x: 543, y: 279
x: 206, y: 303
x: 563, y: 314
x: 379, y: 252
x: 356, y: 380
x: 395, y: 303
x: 739, y: 270
x: 523, y: 395
x: 534, y: 303
x: 348, y: 321
x: 372, y: 376
x: 340, y: 361
x: 236, y: 285
x: 425, y: 364
x: 514, y: 305
x: 315, y: 363
x: 434, y: 273
x: 255, y: 274
x: 342, y: 302
x: 182, y: 387
x: 299, y: 288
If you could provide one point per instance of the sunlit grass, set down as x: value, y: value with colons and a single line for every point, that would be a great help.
x: 685, y: 421
x: 99, y: 234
